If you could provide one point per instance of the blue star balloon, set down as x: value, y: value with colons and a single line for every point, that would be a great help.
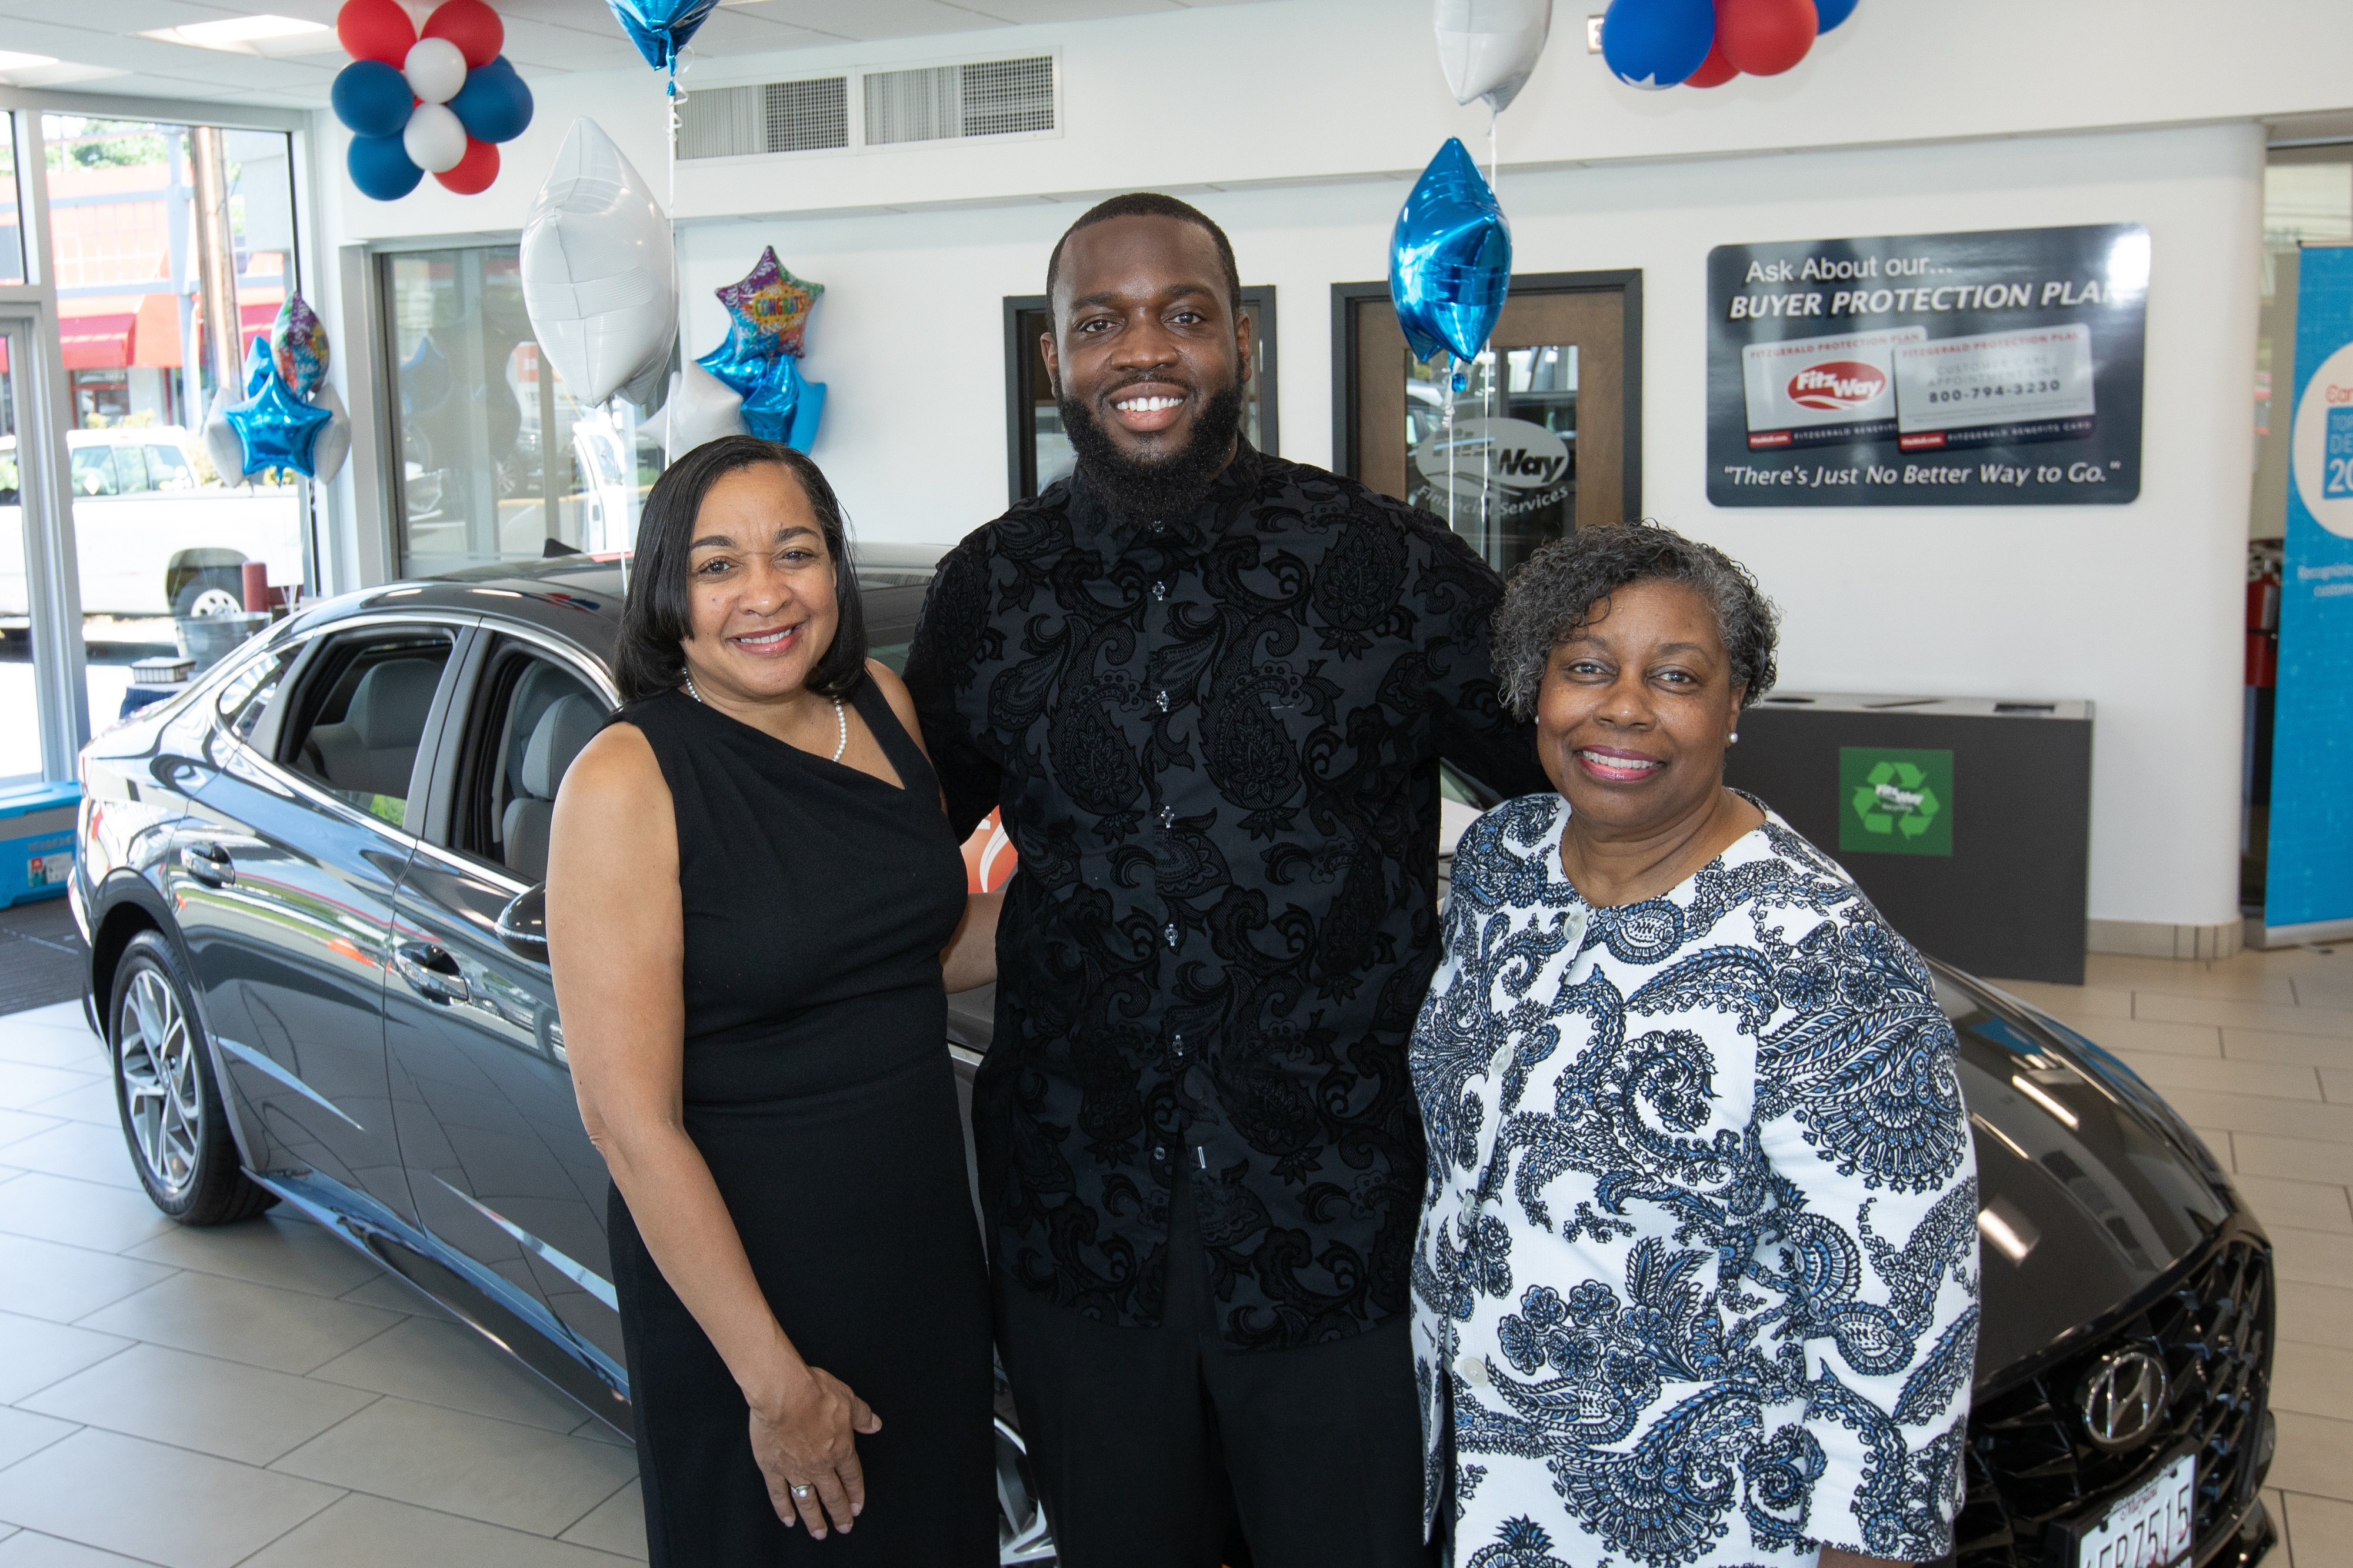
x: 1450, y: 257
x: 259, y: 365
x: 279, y: 430
x: 774, y: 398
x: 660, y: 28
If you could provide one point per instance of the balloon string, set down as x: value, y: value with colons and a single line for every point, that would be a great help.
x: 1495, y: 363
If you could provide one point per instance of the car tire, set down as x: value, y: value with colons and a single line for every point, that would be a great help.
x: 165, y: 1094
x: 211, y: 592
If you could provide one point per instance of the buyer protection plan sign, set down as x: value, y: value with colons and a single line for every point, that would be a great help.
x: 1993, y: 369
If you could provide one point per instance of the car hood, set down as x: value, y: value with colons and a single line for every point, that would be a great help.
x: 2090, y: 1187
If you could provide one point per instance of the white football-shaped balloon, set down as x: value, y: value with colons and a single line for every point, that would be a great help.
x: 1489, y: 48
x: 599, y: 274
x: 435, y: 70
x: 435, y: 140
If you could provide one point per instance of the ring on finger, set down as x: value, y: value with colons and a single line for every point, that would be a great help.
x: 804, y: 1493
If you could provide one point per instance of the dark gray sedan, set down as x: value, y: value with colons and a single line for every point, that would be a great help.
x: 309, y: 889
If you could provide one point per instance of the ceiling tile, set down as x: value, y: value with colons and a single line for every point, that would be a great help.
x: 1025, y: 11
x: 872, y: 18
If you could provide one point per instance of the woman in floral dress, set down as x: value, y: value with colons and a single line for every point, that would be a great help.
x: 1696, y: 1285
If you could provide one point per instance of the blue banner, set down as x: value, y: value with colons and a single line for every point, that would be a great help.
x: 2309, y: 880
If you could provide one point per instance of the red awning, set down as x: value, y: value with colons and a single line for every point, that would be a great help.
x: 96, y: 342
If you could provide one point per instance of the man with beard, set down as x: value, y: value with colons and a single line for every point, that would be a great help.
x: 1210, y: 690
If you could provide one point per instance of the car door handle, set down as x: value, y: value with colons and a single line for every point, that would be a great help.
x: 208, y: 864
x: 428, y: 969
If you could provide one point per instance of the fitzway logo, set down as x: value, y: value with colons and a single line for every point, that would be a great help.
x: 1838, y: 383
x: 1897, y: 801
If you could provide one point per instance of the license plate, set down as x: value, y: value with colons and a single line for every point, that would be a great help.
x: 2149, y: 1529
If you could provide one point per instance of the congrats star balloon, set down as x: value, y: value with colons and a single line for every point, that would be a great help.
x: 768, y: 311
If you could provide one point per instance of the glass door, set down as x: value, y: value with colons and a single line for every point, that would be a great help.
x: 172, y: 247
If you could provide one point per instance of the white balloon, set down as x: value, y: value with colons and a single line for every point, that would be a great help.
x: 221, y: 443
x: 600, y: 273
x: 1489, y: 48
x: 334, y: 442
x: 702, y: 408
x: 435, y: 70
x: 435, y: 140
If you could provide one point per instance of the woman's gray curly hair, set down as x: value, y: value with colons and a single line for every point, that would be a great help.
x: 1559, y: 588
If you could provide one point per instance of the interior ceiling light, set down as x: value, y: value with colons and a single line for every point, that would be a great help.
x: 241, y: 35
x: 10, y: 60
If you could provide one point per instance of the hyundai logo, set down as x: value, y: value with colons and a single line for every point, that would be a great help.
x: 2124, y: 1400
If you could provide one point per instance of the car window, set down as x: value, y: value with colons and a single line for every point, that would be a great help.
x: 131, y: 471
x: 168, y: 468
x: 93, y: 471
x: 356, y: 724
x: 531, y: 715
x: 245, y: 696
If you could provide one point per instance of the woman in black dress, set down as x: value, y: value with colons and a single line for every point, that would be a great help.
x: 753, y: 895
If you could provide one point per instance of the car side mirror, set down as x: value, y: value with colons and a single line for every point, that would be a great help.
x: 523, y: 924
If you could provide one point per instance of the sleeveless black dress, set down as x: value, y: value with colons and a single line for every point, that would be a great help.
x: 820, y: 1089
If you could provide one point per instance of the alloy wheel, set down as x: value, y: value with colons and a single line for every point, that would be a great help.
x: 162, y: 1096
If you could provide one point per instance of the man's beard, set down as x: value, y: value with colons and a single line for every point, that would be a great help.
x: 1157, y: 488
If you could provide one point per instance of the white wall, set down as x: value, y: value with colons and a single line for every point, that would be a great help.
x: 2136, y: 607
x: 1915, y: 118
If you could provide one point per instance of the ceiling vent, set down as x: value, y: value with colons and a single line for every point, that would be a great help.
x: 808, y: 116
x: 939, y: 103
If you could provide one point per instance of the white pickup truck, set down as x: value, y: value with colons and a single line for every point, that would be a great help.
x: 152, y: 538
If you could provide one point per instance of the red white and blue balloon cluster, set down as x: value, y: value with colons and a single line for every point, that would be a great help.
x: 435, y: 101
x: 1655, y: 43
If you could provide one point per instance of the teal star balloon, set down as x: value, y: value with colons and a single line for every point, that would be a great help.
x: 279, y: 430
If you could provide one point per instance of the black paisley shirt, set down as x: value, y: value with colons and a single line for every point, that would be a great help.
x: 1215, y: 740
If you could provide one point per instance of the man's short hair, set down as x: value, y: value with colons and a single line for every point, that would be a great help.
x: 1150, y: 203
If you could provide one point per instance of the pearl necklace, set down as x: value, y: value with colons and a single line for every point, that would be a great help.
x: 841, y: 719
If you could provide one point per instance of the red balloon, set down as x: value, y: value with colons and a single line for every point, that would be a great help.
x: 473, y: 174
x: 1715, y: 70
x: 470, y: 25
x: 1765, y: 38
x: 375, y: 30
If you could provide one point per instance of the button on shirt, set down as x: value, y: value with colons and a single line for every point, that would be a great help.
x: 1215, y: 744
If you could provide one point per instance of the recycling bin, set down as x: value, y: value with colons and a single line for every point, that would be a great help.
x: 1968, y: 820
x: 37, y: 841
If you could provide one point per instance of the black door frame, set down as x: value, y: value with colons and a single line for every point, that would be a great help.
x: 1022, y: 369
x: 1626, y: 281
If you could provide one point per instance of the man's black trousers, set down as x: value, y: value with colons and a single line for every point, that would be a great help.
x: 1151, y: 1447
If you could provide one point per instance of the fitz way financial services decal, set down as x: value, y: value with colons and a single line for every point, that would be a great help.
x: 1993, y: 369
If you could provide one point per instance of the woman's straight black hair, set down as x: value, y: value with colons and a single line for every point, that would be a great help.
x: 657, y: 616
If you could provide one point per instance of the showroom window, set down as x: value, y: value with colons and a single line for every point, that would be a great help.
x: 166, y: 248
x: 497, y: 461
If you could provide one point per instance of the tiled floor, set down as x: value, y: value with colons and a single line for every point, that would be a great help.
x: 2257, y: 1052
x: 264, y: 1395
x: 260, y: 1395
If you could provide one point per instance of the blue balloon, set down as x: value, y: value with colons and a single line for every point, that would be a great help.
x: 381, y: 169
x: 495, y: 105
x: 740, y: 366
x: 1832, y: 12
x: 773, y: 400
x: 279, y: 430
x: 660, y: 28
x: 371, y: 97
x: 260, y: 365
x: 1450, y: 257
x: 1654, y: 43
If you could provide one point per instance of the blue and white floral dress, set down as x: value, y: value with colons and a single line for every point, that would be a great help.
x: 1696, y: 1282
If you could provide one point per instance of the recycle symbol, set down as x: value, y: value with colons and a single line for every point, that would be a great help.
x: 1895, y: 797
